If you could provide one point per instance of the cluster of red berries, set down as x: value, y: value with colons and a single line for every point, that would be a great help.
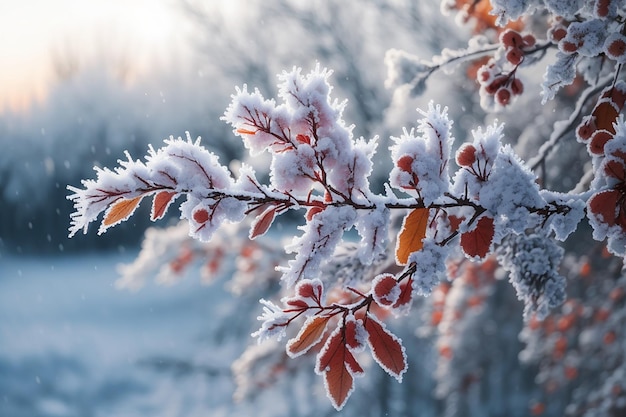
x: 502, y: 86
x: 493, y: 80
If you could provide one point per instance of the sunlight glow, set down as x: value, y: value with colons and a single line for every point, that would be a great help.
x: 31, y: 31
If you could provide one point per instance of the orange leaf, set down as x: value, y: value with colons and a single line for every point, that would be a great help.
x: 243, y: 131
x: 121, y: 210
x: 160, y: 203
x: 411, y: 234
x: 339, y: 383
x: 308, y: 336
x: 477, y: 242
x: 386, y: 348
x: 263, y: 222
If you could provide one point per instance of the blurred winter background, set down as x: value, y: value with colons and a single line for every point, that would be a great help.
x: 81, y: 81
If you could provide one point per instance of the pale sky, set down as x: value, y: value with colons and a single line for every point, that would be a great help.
x: 31, y: 29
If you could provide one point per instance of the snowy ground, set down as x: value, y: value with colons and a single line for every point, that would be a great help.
x: 73, y: 345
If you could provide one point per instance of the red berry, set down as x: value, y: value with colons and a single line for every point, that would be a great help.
x: 405, y: 162
x: 568, y: 47
x: 497, y: 82
x: 511, y: 39
x: 529, y: 40
x: 466, y: 155
x: 503, y: 96
x: 515, y: 56
x: 557, y: 33
x: 484, y: 74
x: 201, y: 216
x: 517, y: 87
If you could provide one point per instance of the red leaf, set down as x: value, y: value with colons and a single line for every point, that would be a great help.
x: 604, y: 206
x: 339, y: 383
x: 387, y: 349
x: 313, y: 211
x: 331, y: 352
x: 384, y: 289
x: 352, y: 365
x: 160, y: 203
x: 598, y: 140
x: 352, y: 333
x: 303, y: 139
x: 121, y: 210
x: 338, y: 366
x: 406, y: 294
x: 477, y: 242
x: 411, y: 234
x: 297, y: 303
x: 263, y: 222
x: 615, y: 169
x: 310, y: 289
x: 309, y: 335
x: 605, y: 114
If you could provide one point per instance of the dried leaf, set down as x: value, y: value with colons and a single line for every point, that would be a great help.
x: 386, y: 347
x: 160, y: 203
x: 263, y: 222
x: 339, y: 384
x: 411, y: 234
x: 478, y: 241
x: 121, y: 210
x: 309, y: 335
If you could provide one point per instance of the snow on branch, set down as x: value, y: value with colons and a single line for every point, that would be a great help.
x: 319, y: 167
